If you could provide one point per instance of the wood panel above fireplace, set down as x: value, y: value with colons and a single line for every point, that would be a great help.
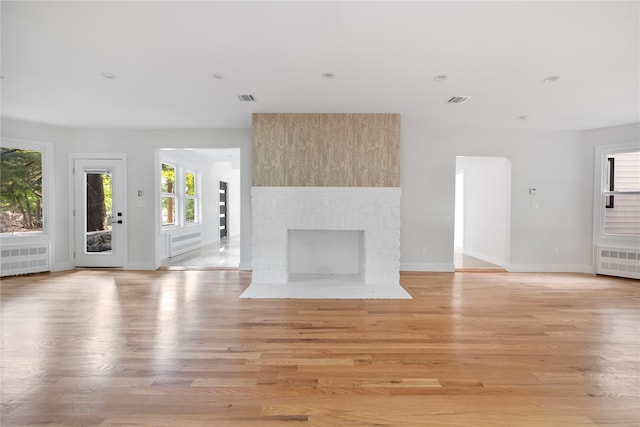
x: 326, y: 150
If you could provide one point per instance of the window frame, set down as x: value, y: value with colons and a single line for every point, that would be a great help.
x: 603, y: 193
x: 180, y: 196
x: 611, y: 167
x: 195, y: 197
x: 174, y: 195
x: 46, y: 156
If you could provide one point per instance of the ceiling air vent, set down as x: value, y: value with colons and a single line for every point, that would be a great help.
x: 458, y: 99
x: 247, y: 98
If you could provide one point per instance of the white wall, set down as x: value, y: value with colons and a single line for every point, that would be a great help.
x: 558, y: 164
x: 141, y: 147
x: 548, y: 161
x: 486, y: 207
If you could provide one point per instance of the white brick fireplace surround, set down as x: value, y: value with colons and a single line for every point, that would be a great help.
x: 374, y: 211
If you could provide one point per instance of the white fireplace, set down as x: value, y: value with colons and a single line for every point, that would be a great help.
x: 336, y: 232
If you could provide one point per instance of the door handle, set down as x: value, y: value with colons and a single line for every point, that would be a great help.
x: 116, y: 222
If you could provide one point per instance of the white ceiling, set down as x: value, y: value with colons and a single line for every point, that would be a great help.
x: 384, y: 55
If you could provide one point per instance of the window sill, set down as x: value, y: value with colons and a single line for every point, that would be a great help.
x: 9, y: 238
x: 170, y: 229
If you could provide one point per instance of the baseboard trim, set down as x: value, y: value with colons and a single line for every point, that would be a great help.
x: 141, y: 266
x: 425, y: 266
x: 550, y: 268
x: 588, y: 269
x: 64, y: 266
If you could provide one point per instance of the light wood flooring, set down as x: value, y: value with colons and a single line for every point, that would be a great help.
x: 179, y: 348
x: 467, y: 263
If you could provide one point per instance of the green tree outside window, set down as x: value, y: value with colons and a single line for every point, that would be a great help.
x: 20, y: 190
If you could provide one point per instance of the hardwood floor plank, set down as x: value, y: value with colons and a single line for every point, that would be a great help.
x: 180, y: 348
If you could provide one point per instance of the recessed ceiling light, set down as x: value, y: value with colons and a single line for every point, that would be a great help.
x: 108, y: 76
x: 218, y: 76
x: 440, y: 78
x: 328, y: 76
x: 524, y: 118
x: 550, y: 79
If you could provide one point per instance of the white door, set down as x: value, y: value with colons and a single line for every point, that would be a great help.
x: 100, y: 222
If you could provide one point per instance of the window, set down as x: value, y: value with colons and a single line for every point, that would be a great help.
x: 190, y: 200
x: 611, y: 166
x: 180, y: 193
x: 23, y: 188
x: 620, y: 193
x: 168, y: 190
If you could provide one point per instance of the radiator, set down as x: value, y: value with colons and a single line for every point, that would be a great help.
x: 184, y: 242
x: 24, y: 259
x: 622, y: 262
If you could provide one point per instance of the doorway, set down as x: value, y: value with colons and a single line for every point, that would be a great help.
x: 482, y: 213
x: 219, y: 208
x: 99, y: 213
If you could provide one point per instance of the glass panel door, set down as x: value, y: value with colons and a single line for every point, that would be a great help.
x: 99, y: 214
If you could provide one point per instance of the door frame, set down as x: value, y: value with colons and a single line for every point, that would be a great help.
x: 459, y: 206
x: 506, y: 208
x: 72, y: 198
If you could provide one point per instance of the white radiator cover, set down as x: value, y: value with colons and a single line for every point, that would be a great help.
x: 24, y: 258
x: 184, y: 241
x: 619, y: 261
